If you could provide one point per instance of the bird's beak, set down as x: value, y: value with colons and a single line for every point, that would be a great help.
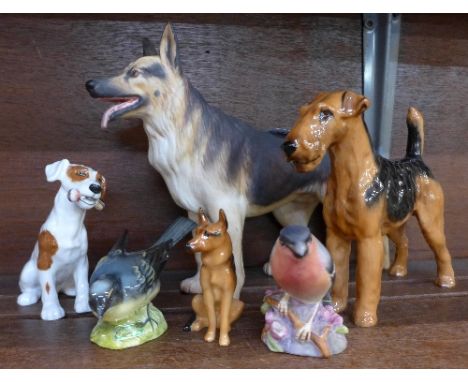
x: 299, y: 250
x: 101, y: 309
x: 99, y: 305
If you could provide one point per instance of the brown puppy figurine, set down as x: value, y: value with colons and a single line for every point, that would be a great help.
x: 216, y: 307
x: 368, y: 196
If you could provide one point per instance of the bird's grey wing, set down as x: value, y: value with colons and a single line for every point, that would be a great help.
x: 144, y: 277
x: 326, y: 259
x: 329, y: 265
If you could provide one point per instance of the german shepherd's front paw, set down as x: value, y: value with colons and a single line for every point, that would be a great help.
x: 224, y: 340
x: 210, y: 336
x: 191, y: 285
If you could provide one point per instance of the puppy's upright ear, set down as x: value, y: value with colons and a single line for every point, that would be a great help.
x: 54, y: 171
x: 148, y: 48
x: 222, y: 218
x: 202, y: 218
x: 168, y: 49
x: 353, y: 104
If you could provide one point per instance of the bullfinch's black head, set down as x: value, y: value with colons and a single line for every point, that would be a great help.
x: 103, y: 294
x: 297, y: 239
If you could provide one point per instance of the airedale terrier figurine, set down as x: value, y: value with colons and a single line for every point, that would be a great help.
x: 368, y: 196
x: 216, y: 307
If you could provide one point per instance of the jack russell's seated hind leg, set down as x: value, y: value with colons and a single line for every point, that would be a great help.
x: 29, y: 284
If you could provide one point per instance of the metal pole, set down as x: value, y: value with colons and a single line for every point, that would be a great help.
x: 381, y: 38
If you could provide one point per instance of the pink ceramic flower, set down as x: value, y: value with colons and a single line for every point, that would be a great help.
x: 328, y: 315
x: 278, y: 330
x: 269, y: 317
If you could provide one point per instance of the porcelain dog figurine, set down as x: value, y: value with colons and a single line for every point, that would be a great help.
x: 59, y: 261
x: 207, y: 158
x: 216, y: 307
x: 368, y: 195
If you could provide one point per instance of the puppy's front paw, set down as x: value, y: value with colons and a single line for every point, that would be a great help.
x: 82, y: 305
x: 52, y: 312
x: 191, y: 285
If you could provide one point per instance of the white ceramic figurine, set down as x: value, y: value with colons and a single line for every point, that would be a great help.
x: 59, y: 261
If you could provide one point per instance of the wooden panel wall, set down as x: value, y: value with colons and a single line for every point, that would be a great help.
x: 258, y: 68
x: 433, y: 76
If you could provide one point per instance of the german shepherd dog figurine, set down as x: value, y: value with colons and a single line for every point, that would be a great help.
x: 216, y: 307
x: 207, y: 158
x: 368, y: 196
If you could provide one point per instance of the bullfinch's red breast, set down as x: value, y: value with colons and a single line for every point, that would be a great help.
x: 301, y: 265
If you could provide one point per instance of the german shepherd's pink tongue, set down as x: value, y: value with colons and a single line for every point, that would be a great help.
x: 122, y: 104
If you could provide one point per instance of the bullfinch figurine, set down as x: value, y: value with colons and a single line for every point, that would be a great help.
x: 123, y: 285
x: 299, y: 319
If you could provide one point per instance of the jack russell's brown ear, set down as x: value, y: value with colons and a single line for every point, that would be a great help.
x: 353, y: 104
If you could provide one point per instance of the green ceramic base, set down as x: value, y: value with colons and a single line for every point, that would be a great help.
x: 145, y: 325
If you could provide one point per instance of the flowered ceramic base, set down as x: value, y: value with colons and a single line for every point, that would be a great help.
x: 145, y: 325
x: 279, y: 333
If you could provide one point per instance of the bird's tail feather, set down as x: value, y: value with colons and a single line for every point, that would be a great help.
x: 177, y: 231
x: 159, y: 251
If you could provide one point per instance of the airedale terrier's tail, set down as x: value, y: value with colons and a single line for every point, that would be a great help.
x: 415, y: 123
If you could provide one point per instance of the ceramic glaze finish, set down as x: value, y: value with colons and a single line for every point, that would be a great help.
x: 327, y: 336
x: 215, y: 307
x: 59, y: 261
x: 303, y: 268
x: 368, y: 196
x: 123, y: 285
x: 207, y: 158
x: 296, y: 320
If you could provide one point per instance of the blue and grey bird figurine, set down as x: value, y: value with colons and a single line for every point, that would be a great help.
x: 124, y: 282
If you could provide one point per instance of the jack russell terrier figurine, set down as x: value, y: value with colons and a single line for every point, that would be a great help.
x: 59, y: 261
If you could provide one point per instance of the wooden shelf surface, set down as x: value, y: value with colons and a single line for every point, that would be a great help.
x: 421, y: 326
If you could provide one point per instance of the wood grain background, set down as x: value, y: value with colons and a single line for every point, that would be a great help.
x: 433, y: 76
x: 258, y: 68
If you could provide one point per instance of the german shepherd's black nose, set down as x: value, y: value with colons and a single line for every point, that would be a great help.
x: 91, y: 87
x: 289, y: 147
x: 95, y: 188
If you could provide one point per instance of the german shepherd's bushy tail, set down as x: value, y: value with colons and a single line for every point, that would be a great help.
x: 415, y: 143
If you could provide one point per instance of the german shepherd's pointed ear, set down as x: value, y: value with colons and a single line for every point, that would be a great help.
x: 222, y: 218
x: 168, y: 48
x: 353, y: 104
x: 148, y: 48
x: 202, y: 218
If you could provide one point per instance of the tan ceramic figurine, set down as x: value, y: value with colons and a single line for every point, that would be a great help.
x: 368, y: 196
x: 216, y: 307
